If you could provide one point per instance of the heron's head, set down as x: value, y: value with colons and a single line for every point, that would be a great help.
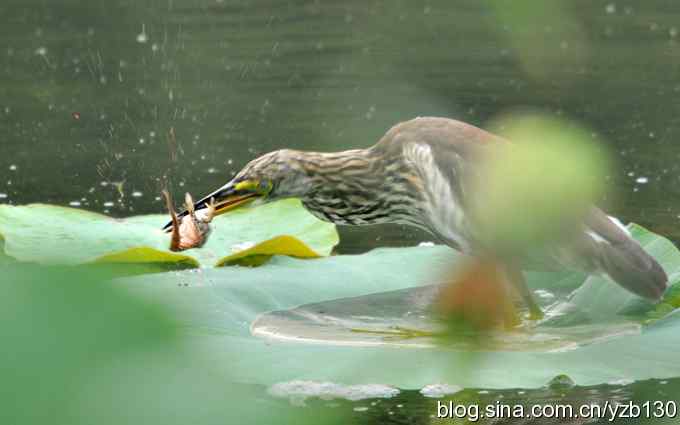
x: 276, y: 175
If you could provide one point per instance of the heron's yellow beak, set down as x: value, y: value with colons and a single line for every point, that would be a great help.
x: 227, y: 198
x: 232, y: 202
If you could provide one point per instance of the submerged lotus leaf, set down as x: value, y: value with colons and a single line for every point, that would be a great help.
x: 234, y: 312
x: 49, y: 234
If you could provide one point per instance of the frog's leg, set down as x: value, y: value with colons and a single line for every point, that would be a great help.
x: 211, y: 211
x: 174, y: 238
x: 189, y: 203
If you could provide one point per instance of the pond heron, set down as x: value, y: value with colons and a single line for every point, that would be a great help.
x: 420, y: 173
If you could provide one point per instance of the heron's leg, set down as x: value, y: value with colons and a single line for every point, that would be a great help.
x: 520, y: 284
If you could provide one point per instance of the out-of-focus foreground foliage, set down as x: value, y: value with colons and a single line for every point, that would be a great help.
x: 79, y: 350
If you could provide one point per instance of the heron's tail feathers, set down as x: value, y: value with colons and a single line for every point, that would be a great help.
x: 623, y: 259
x: 631, y: 267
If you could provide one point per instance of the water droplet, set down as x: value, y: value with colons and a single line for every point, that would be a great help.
x: 142, y: 37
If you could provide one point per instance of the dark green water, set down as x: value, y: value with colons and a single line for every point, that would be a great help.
x: 90, y: 92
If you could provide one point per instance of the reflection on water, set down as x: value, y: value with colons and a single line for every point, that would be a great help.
x: 404, y: 318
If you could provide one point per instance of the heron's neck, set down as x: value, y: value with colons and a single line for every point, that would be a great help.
x: 358, y: 187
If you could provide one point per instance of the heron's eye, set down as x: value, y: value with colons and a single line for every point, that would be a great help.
x: 265, y: 186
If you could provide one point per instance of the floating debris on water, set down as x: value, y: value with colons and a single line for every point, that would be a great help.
x: 642, y: 180
x: 622, y: 381
x: 3, y: 196
x: 137, y: 194
x: 299, y: 391
x: 13, y: 167
x: 439, y: 390
x: 75, y: 203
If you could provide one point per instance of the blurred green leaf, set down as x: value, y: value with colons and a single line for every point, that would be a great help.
x: 49, y: 234
x: 537, y: 189
x: 79, y: 350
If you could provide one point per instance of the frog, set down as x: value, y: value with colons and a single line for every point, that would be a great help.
x: 192, y: 230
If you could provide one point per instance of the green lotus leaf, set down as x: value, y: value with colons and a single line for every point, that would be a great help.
x: 49, y: 234
x: 298, y: 320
